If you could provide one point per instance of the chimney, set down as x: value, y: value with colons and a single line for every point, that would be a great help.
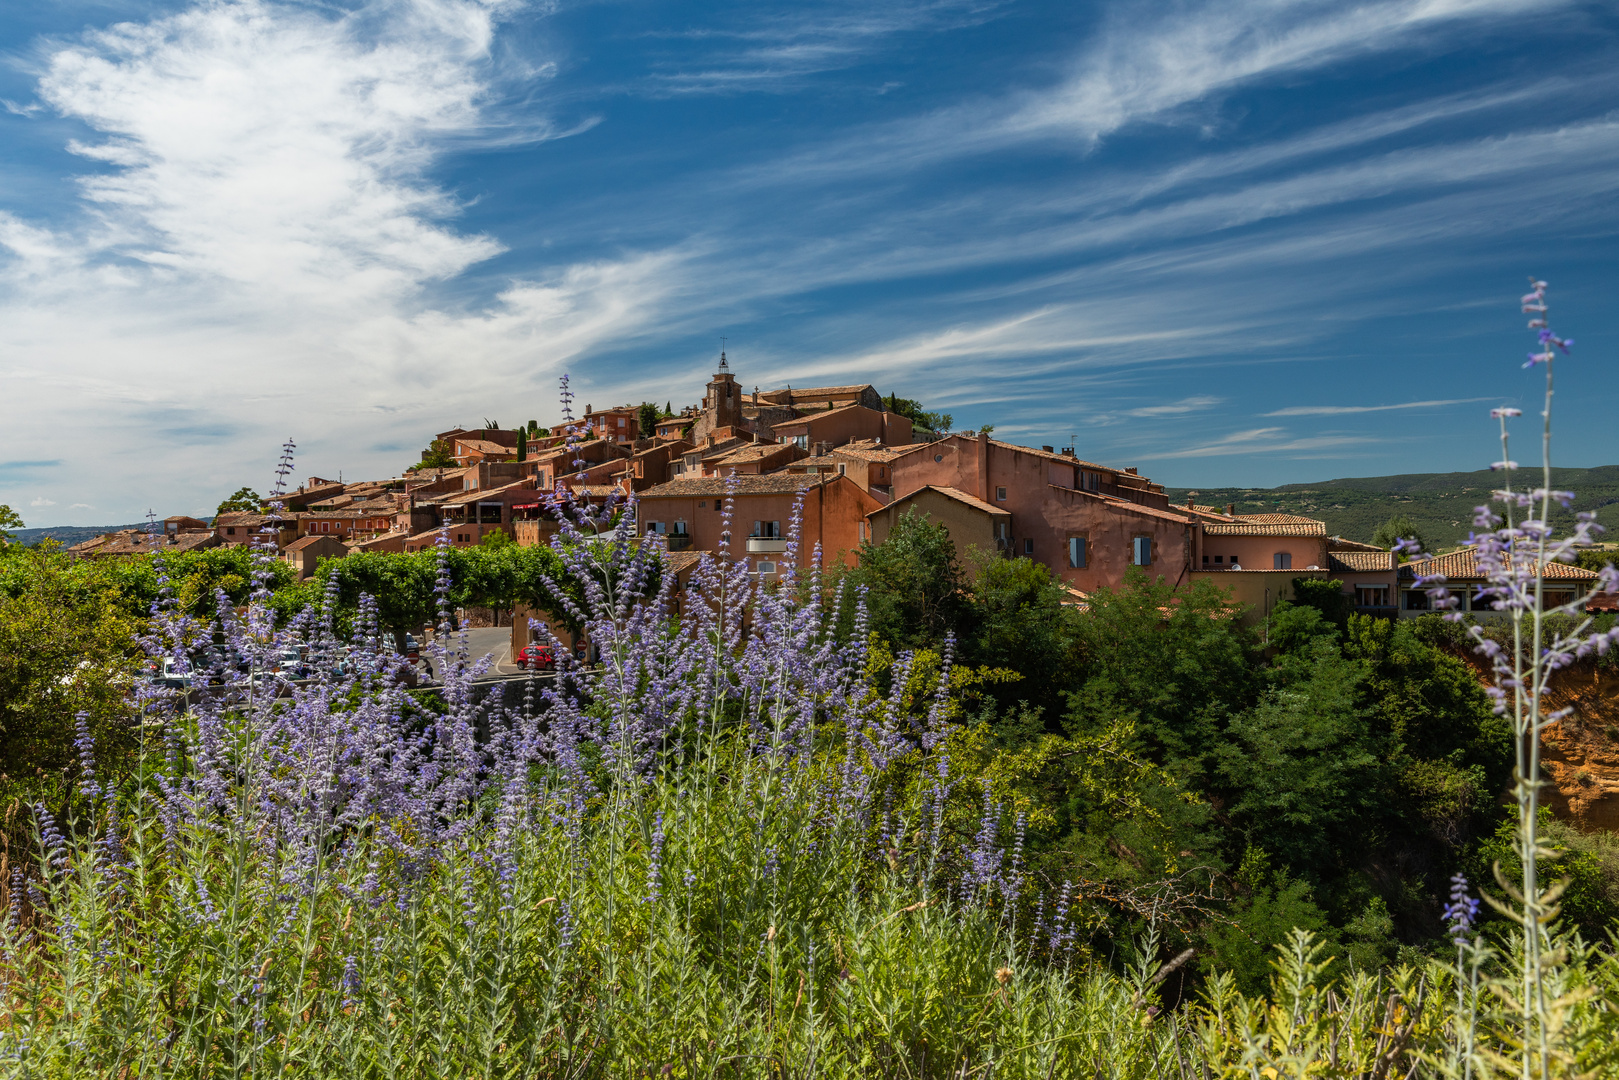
x: 1230, y: 509
x: 1048, y: 449
x: 1131, y: 469
x: 1191, y: 499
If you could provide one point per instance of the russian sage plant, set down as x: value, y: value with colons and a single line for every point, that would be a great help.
x: 1517, y: 550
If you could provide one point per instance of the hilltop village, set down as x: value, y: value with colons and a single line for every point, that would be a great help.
x: 852, y: 462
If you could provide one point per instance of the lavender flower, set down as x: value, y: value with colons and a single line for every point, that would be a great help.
x: 1462, y: 912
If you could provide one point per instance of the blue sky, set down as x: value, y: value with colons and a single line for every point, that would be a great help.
x: 1249, y: 242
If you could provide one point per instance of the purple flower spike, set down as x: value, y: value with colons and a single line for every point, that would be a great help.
x: 1462, y: 911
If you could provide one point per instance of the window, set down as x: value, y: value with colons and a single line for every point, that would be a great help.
x: 1416, y: 600
x: 231, y: 531
x: 1076, y: 552
x: 1282, y: 560
x: 680, y: 528
x: 1371, y: 596
x: 767, y: 529
x: 654, y: 528
x: 862, y: 529
x: 1028, y: 545
x: 843, y: 470
x: 1000, y: 494
x: 1143, y: 551
x: 1219, y: 558
x: 802, y: 441
x: 766, y: 568
x: 702, y: 504
x: 1003, y: 533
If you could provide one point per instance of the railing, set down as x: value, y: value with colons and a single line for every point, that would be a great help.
x: 678, y: 541
x: 1378, y: 611
x: 766, y: 545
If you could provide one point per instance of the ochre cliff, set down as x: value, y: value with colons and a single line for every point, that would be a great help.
x: 1581, y: 753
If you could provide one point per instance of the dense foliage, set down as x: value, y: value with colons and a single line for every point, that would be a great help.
x: 1329, y: 771
x: 747, y: 844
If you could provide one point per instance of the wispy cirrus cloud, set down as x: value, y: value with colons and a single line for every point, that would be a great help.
x: 1270, y: 440
x: 1175, y: 408
x: 1350, y: 410
x: 761, y: 48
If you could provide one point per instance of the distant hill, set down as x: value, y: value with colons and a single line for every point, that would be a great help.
x: 1439, y: 504
x: 68, y: 535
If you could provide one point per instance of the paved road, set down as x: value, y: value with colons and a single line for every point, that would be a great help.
x: 496, y: 641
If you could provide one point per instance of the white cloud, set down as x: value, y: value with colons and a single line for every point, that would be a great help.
x: 262, y: 245
x: 1346, y: 410
x: 1272, y: 440
x: 42, y: 501
x: 1175, y: 408
x: 273, y: 147
x: 1145, y: 68
x: 81, y: 506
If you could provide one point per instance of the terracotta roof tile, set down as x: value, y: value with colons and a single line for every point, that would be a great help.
x: 484, y: 447
x: 1463, y: 566
x: 872, y: 450
x: 311, y: 541
x: 765, y: 484
x: 1303, y: 527
x: 751, y: 452
x: 954, y: 493
x: 1279, y: 519
x: 1359, y: 561
x: 1054, y: 456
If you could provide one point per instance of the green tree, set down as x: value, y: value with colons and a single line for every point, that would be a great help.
x: 9, y: 519
x: 1327, y: 596
x: 245, y: 500
x: 1303, y: 770
x: 436, y: 456
x: 912, y: 583
x: 67, y: 646
x: 1270, y: 905
x: 1179, y: 661
x: 1399, y: 527
x: 497, y: 539
x: 913, y: 411
x: 1015, y: 619
x: 648, y: 418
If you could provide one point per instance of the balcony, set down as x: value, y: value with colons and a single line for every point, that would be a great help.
x: 766, y: 545
x: 678, y: 541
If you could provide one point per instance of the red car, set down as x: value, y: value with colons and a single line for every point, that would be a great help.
x: 537, y: 657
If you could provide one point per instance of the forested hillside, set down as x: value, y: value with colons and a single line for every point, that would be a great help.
x: 1440, y: 505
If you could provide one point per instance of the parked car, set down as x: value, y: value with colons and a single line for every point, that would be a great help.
x: 171, y: 675
x: 413, y: 648
x: 537, y: 657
